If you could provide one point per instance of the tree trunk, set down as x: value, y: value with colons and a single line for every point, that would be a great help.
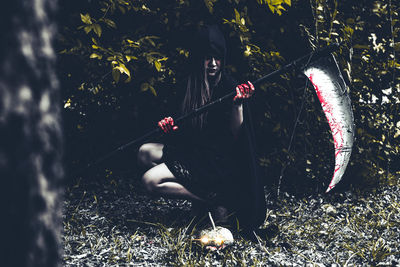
x: 30, y: 136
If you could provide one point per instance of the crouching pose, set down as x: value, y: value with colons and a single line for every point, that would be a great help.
x: 210, y: 158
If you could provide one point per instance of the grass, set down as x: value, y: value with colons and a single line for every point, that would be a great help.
x: 116, y: 224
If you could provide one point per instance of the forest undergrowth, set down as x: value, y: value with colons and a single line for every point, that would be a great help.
x: 114, y: 223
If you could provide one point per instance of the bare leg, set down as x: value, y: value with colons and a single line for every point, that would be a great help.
x: 150, y: 154
x: 160, y: 180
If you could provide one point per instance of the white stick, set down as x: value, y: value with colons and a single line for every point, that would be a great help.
x: 211, y: 219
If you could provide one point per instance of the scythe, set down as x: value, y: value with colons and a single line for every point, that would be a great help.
x: 321, y: 68
x: 325, y: 76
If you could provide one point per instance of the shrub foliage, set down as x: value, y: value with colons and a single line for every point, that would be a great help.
x: 121, y: 62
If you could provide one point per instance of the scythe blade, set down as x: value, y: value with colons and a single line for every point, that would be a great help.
x: 330, y: 87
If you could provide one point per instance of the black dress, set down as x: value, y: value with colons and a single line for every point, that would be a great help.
x: 211, y: 164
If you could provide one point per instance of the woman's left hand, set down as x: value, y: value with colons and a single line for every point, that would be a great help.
x: 243, y: 91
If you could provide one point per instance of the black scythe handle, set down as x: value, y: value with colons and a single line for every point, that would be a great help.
x: 296, y: 63
x: 300, y: 61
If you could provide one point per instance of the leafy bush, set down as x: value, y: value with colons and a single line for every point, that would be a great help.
x: 121, y: 62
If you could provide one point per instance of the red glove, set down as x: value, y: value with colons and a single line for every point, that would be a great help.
x: 167, y: 124
x: 244, y: 91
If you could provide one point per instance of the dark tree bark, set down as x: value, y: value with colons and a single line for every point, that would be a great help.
x: 30, y: 136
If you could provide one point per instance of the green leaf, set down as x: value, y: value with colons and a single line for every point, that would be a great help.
x: 97, y: 29
x: 110, y: 23
x: 132, y: 43
x: 88, y: 28
x: 349, y: 30
x: 94, y: 55
x: 122, y: 9
x: 237, y: 16
x: 123, y: 2
x: 209, y: 4
x: 123, y: 69
x: 152, y: 90
x: 359, y: 46
x: 151, y: 42
x: 271, y: 7
x: 157, y: 64
x: 86, y: 19
x: 129, y: 58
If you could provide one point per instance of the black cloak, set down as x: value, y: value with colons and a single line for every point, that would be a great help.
x: 209, y: 161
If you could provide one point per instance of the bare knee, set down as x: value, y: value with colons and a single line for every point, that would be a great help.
x: 149, y: 153
x: 143, y: 155
x: 153, y: 178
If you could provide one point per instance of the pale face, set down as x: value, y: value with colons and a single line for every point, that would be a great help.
x: 212, y: 66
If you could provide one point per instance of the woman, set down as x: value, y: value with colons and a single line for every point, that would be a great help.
x: 201, y: 160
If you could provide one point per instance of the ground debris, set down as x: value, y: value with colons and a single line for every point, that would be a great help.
x: 126, y: 227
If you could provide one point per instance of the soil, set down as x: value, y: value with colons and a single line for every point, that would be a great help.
x: 115, y: 223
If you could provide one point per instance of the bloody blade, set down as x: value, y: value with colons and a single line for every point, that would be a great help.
x: 331, y: 90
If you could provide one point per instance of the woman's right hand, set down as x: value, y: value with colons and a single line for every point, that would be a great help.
x: 243, y: 91
x: 167, y: 125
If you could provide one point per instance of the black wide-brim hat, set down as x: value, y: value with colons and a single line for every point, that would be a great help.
x: 209, y: 40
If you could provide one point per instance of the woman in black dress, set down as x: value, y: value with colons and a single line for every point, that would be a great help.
x: 208, y: 159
